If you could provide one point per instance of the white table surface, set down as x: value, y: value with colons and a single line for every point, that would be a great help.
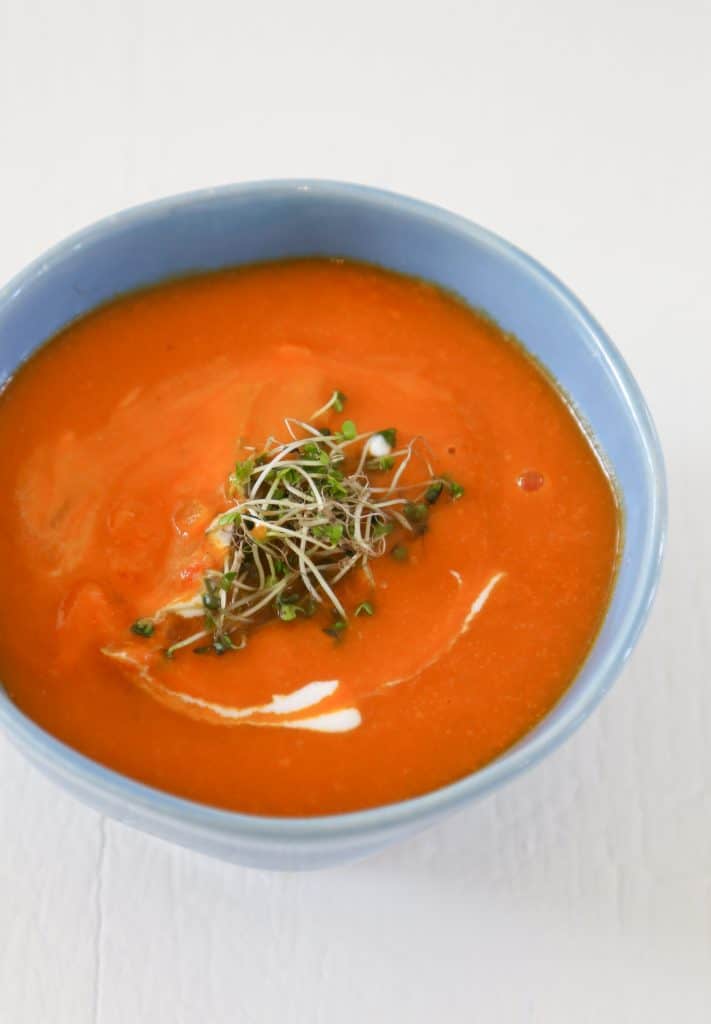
x: 582, y: 892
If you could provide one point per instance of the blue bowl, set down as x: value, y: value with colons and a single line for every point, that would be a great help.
x: 223, y: 227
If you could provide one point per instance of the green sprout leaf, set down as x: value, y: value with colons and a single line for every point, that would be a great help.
x: 227, y: 580
x: 336, y: 629
x: 222, y: 644
x: 242, y: 472
x: 331, y: 532
x: 365, y: 608
x: 229, y: 518
x: 382, y: 464
x: 143, y: 627
x: 383, y: 530
x: 415, y: 512
x: 434, y: 491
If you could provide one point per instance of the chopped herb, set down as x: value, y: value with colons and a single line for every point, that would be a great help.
x: 365, y: 608
x: 143, y: 627
x: 349, y: 431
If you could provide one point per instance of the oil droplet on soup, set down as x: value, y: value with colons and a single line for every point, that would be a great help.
x: 531, y: 480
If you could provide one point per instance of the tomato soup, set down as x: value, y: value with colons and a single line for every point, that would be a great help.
x: 295, y: 539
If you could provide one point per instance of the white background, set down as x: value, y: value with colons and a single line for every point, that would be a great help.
x: 582, y: 892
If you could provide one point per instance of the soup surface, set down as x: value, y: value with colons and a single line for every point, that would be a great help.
x: 116, y: 440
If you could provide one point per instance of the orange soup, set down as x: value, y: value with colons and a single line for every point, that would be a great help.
x: 295, y: 539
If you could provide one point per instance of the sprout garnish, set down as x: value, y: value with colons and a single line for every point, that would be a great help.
x: 305, y: 514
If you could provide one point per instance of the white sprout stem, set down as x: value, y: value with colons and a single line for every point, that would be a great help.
x: 303, y: 570
x: 324, y: 585
x: 324, y: 408
x: 269, y: 596
x: 266, y: 469
x: 421, y: 486
x: 302, y: 472
x: 256, y: 558
x: 188, y: 640
x: 357, y: 535
x: 401, y: 468
x: 284, y: 532
x: 346, y: 569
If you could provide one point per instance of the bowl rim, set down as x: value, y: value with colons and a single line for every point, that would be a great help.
x: 64, y: 761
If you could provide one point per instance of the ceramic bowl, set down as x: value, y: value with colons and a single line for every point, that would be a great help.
x: 247, y: 223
